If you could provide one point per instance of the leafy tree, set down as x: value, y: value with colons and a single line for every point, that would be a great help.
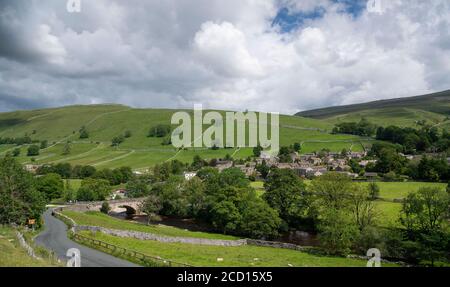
x: 337, y: 231
x: 233, y: 177
x: 16, y: 152
x: 151, y: 206
x: 225, y: 216
x: 362, y: 209
x: 374, y: 190
x: 287, y: 194
x: 257, y: 151
x: 87, y: 171
x: 33, y: 150
x: 105, y: 208
x: 159, y: 131
x: 127, y: 134
x: 51, y: 185
x: 425, y: 210
x: 362, y: 128
x: 93, y: 190
x: 297, y: 147
x: 69, y: 194
x: 84, y: 133
x: 332, y: 191
x: 63, y: 169
x: 116, y: 141
x: 198, y: 163
x: 66, y: 149
x: 44, y: 144
x: 207, y: 173
x: 138, y: 186
x: 19, y: 200
x: 173, y: 199
x: 194, y: 190
x: 258, y: 220
x: 389, y: 160
x: 263, y: 169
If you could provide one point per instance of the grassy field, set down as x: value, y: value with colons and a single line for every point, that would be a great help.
x: 389, y: 210
x: 403, y: 117
x: 202, y: 255
x: 93, y: 218
x: 433, y: 108
x: 61, y: 125
x: 13, y: 255
x: 398, y: 190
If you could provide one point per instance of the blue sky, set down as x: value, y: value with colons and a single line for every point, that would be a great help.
x: 289, y: 20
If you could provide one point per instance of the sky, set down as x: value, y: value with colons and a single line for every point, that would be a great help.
x: 266, y: 55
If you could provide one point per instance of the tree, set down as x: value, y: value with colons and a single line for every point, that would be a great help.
x: 159, y: 131
x: 173, y: 198
x: 87, y: 171
x: 151, y: 206
x: 51, y: 185
x: 258, y: 220
x: 93, y: 190
x: 83, y: 133
x: 43, y: 144
x: 297, y: 147
x: 69, y: 194
x: 225, y: 216
x: 194, y: 190
x: 425, y: 210
x: 332, y: 191
x: 389, y: 160
x: 287, y: 194
x: 263, y: 169
x: 198, y: 162
x: 374, y: 190
x: 105, y: 208
x: 337, y: 231
x: 257, y: 151
x: 33, y: 150
x: 127, y: 134
x: 16, y: 152
x: 363, y: 210
x: 66, y: 149
x: 116, y: 141
x: 138, y: 186
x: 19, y: 199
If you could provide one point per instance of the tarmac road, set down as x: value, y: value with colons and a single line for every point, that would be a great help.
x: 54, y: 238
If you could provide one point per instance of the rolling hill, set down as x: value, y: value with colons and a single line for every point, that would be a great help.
x: 434, y: 108
x: 61, y: 125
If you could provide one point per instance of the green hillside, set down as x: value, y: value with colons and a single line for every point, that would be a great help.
x: 103, y: 122
x: 433, y: 108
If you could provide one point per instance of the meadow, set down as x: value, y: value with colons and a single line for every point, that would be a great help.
x: 239, y: 256
x: 93, y: 218
x: 13, y: 255
x: 103, y: 122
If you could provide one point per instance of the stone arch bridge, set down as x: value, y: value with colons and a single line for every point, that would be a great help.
x: 132, y: 205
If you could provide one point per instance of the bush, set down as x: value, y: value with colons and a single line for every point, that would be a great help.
x: 105, y: 207
x: 16, y: 152
x: 93, y: 190
x: 33, y: 150
x: 159, y: 131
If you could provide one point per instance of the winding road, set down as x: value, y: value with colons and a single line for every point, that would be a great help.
x: 54, y: 238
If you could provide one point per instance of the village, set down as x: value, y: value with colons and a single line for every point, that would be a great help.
x: 307, y: 165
